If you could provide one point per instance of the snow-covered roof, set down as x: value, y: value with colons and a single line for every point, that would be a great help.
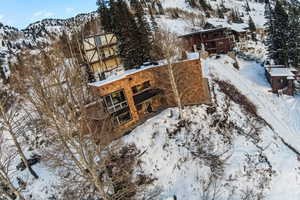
x: 204, y: 31
x: 280, y: 72
x: 241, y: 28
x: 293, y: 69
x: 274, y: 66
x: 124, y: 74
x: 238, y: 27
x: 121, y: 76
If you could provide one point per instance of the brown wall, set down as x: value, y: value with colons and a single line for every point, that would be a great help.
x: 192, y: 87
x: 106, y: 65
x: 213, y: 42
x: 278, y: 85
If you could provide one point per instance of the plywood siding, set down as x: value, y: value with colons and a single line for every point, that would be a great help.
x: 193, y: 89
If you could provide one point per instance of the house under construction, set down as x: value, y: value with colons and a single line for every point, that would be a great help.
x: 137, y: 94
x: 101, y: 54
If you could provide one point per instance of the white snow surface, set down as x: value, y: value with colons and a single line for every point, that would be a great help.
x: 170, y: 158
x: 180, y: 173
x: 124, y: 74
x: 280, y: 72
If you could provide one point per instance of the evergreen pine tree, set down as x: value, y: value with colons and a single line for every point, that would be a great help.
x: 269, y: 26
x: 154, y: 26
x: 252, y: 26
x: 220, y: 12
x: 239, y: 17
x: 124, y: 27
x: 294, y: 36
x: 133, y: 32
x: 160, y: 8
x: 235, y: 16
x: 247, y: 6
x: 104, y: 15
x: 143, y: 33
x: 281, y: 34
x: 205, y: 5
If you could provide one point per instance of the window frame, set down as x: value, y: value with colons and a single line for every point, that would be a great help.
x: 117, y: 118
x: 137, y: 89
x: 97, y: 40
x: 114, y: 107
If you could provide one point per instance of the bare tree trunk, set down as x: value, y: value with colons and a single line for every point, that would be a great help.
x: 174, y: 88
x: 21, y: 153
x: 8, y: 122
x: 4, y: 177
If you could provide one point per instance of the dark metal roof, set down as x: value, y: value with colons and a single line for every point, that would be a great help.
x: 204, y: 31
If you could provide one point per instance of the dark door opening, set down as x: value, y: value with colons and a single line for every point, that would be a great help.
x: 149, y: 108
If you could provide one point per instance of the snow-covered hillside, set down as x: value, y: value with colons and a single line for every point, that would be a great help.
x: 221, y: 151
x: 39, y: 34
x: 253, y: 159
x: 256, y: 8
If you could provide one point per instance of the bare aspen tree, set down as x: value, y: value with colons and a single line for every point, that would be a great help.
x: 60, y: 97
x: 7, y: 188
x: 76, y: 125
x: 11, y: 121
x: 171, y: 50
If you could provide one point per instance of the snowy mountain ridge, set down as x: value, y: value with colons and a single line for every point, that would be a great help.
x: 49, y: 29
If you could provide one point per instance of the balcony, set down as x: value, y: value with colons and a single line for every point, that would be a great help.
x: 144, y: 96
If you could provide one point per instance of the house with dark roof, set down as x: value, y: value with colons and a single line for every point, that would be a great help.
x: 216, y: 40
x: 137, y: 94
x: 281, y: 79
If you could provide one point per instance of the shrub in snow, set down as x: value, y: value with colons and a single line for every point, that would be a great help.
x: 236, y: 96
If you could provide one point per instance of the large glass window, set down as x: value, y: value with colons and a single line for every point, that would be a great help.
x: 122, y: 116
x: 115, y: 101
x: 98, y: 42
x: 117, y: 105
x: 141, y: 87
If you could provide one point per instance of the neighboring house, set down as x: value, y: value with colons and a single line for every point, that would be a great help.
x: 137, y: 94
x: 240, y: 34
x: 101, y: 54
x: 216, y: 40
x: 261, y: 31
x: 281, y: 79
x: 239, y: 30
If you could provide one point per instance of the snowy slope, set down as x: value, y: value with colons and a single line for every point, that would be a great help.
x: 264, y: 166
x: 219, y: 140
x: 183, y: 158
x: 257, y: 9
x: 281, y: 112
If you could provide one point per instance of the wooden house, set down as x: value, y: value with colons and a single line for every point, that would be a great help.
x: 240, y: 31
x: 217, y: 40
x: 281, y: 79
x: 241, y: 34
x: 137, y: 94
x: 101, y: 53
